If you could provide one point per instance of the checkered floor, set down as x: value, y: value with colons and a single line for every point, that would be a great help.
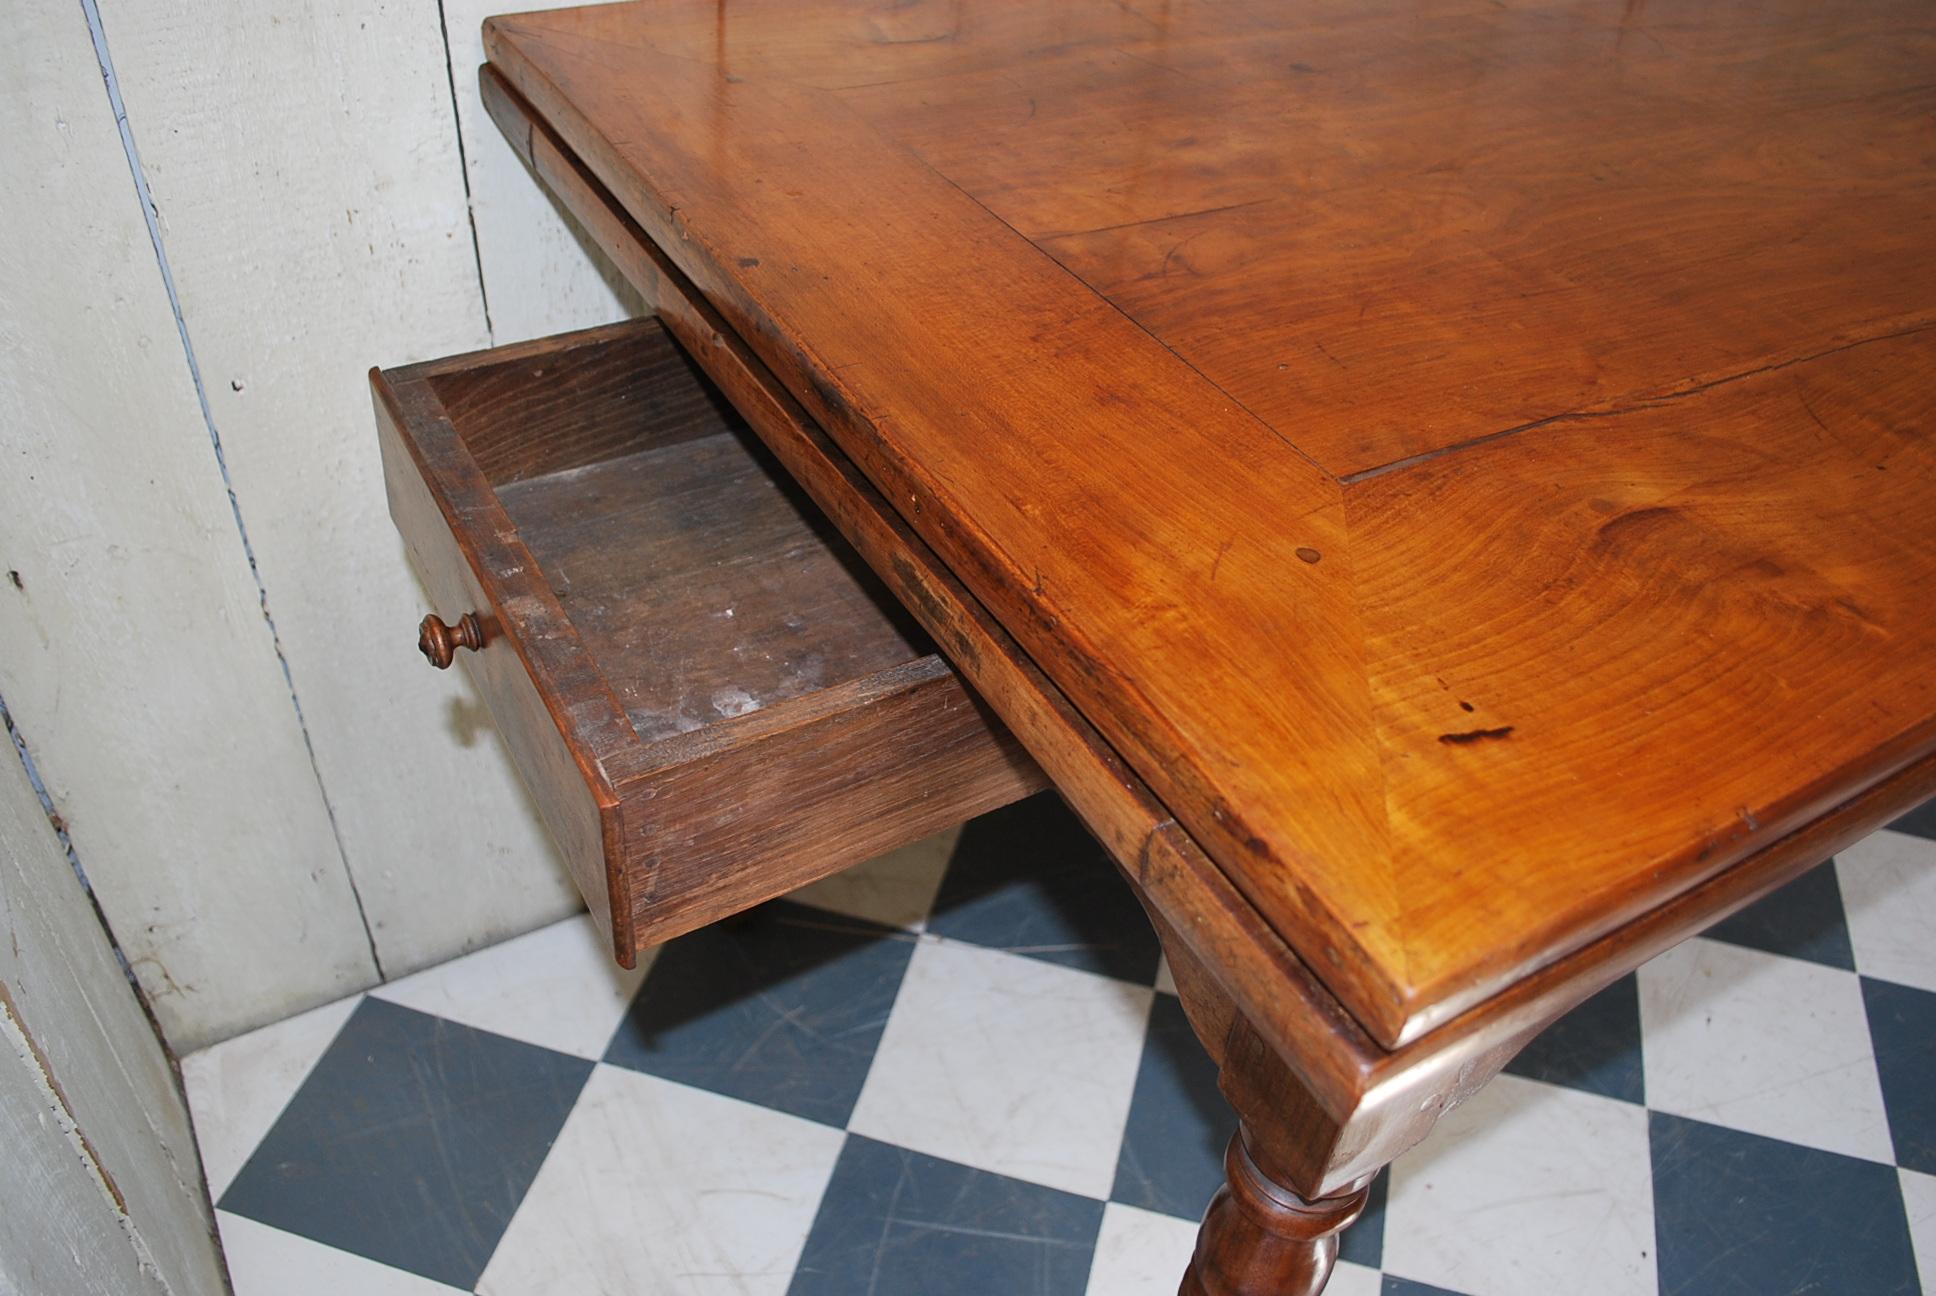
x: 961, y: 1070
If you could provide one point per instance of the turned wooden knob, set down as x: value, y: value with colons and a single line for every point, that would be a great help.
x: 439, y: 642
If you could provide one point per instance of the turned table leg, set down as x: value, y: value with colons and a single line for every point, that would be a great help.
x: 1312, y: 1134
x: 1260, y: 1238
x: 1296, y: 1174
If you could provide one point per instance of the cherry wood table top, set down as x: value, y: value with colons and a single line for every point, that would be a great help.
x: 1474, y: 461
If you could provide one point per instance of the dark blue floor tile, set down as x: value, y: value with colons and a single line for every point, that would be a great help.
x: 1364, y: 1242
x: 1179, y: 1124
x: 1406, y: 1287
x: 1596, y: 1047
x: 1920, y: 822
x: 897, y: 1221
x: 1902, y: 1028
x: 412, y: 1142
x: 1802, y: 920
x: 782, y: 1006
x: 1740, y: 1215
x: 1031, y: 880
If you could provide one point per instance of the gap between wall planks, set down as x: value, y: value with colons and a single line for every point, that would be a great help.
x: 540, y: 274
x: 315, y: 220
x: 133, y: 652
x: 310, y: 201
x: 348, y: 157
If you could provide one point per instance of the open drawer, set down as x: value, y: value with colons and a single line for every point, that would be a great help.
x: 711, y: 698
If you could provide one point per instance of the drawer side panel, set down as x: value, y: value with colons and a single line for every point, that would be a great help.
x: 569, y: 799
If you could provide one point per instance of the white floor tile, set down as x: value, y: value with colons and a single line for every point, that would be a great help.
x: 1165, y: 979
x: 1526, y: 1190
x: 1141, y: 1253
x: 656, y: 1187
x: 1007, y: 1064
x: 237, y: 1088
x: 558, y: 987
x: 1354, y: 1280
x: 897, y: 889
x: 1919, y: 1196
x: 1774, y: 1046
x: 266, y: 1261
x: 1889, y: 891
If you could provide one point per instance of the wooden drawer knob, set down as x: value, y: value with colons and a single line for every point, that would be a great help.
x: 439, y: 642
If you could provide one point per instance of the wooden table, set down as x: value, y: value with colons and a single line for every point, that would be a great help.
x: 1447, y: 491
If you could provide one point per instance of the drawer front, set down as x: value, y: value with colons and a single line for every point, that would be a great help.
x: 710, y: 698
x: 870, y: 765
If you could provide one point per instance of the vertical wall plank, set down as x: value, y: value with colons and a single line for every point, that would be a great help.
x: 61, y: 1234
x: 133, y: 652
x: 88, y: 1108
x: 540, y: 275
x: 304, y: 162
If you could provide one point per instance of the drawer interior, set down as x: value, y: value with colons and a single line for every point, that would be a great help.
x: 699, y: 577
x: 712, y: 698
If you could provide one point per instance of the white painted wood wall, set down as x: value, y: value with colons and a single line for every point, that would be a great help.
x: 206, y: 619
x: 100, y: 1188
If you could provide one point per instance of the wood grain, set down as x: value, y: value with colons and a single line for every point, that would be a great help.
x: 468, y: 555
x: 687, y: 630
x: 1226, y: 959
x: 712, y: 700
x: 554, y: 408
x: 753, y: 807
x: 1255, y: 967
x: 1217, y: 549
x: 1259, y: 1239
x: 1065, y: 565
x: 1692, y: 625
